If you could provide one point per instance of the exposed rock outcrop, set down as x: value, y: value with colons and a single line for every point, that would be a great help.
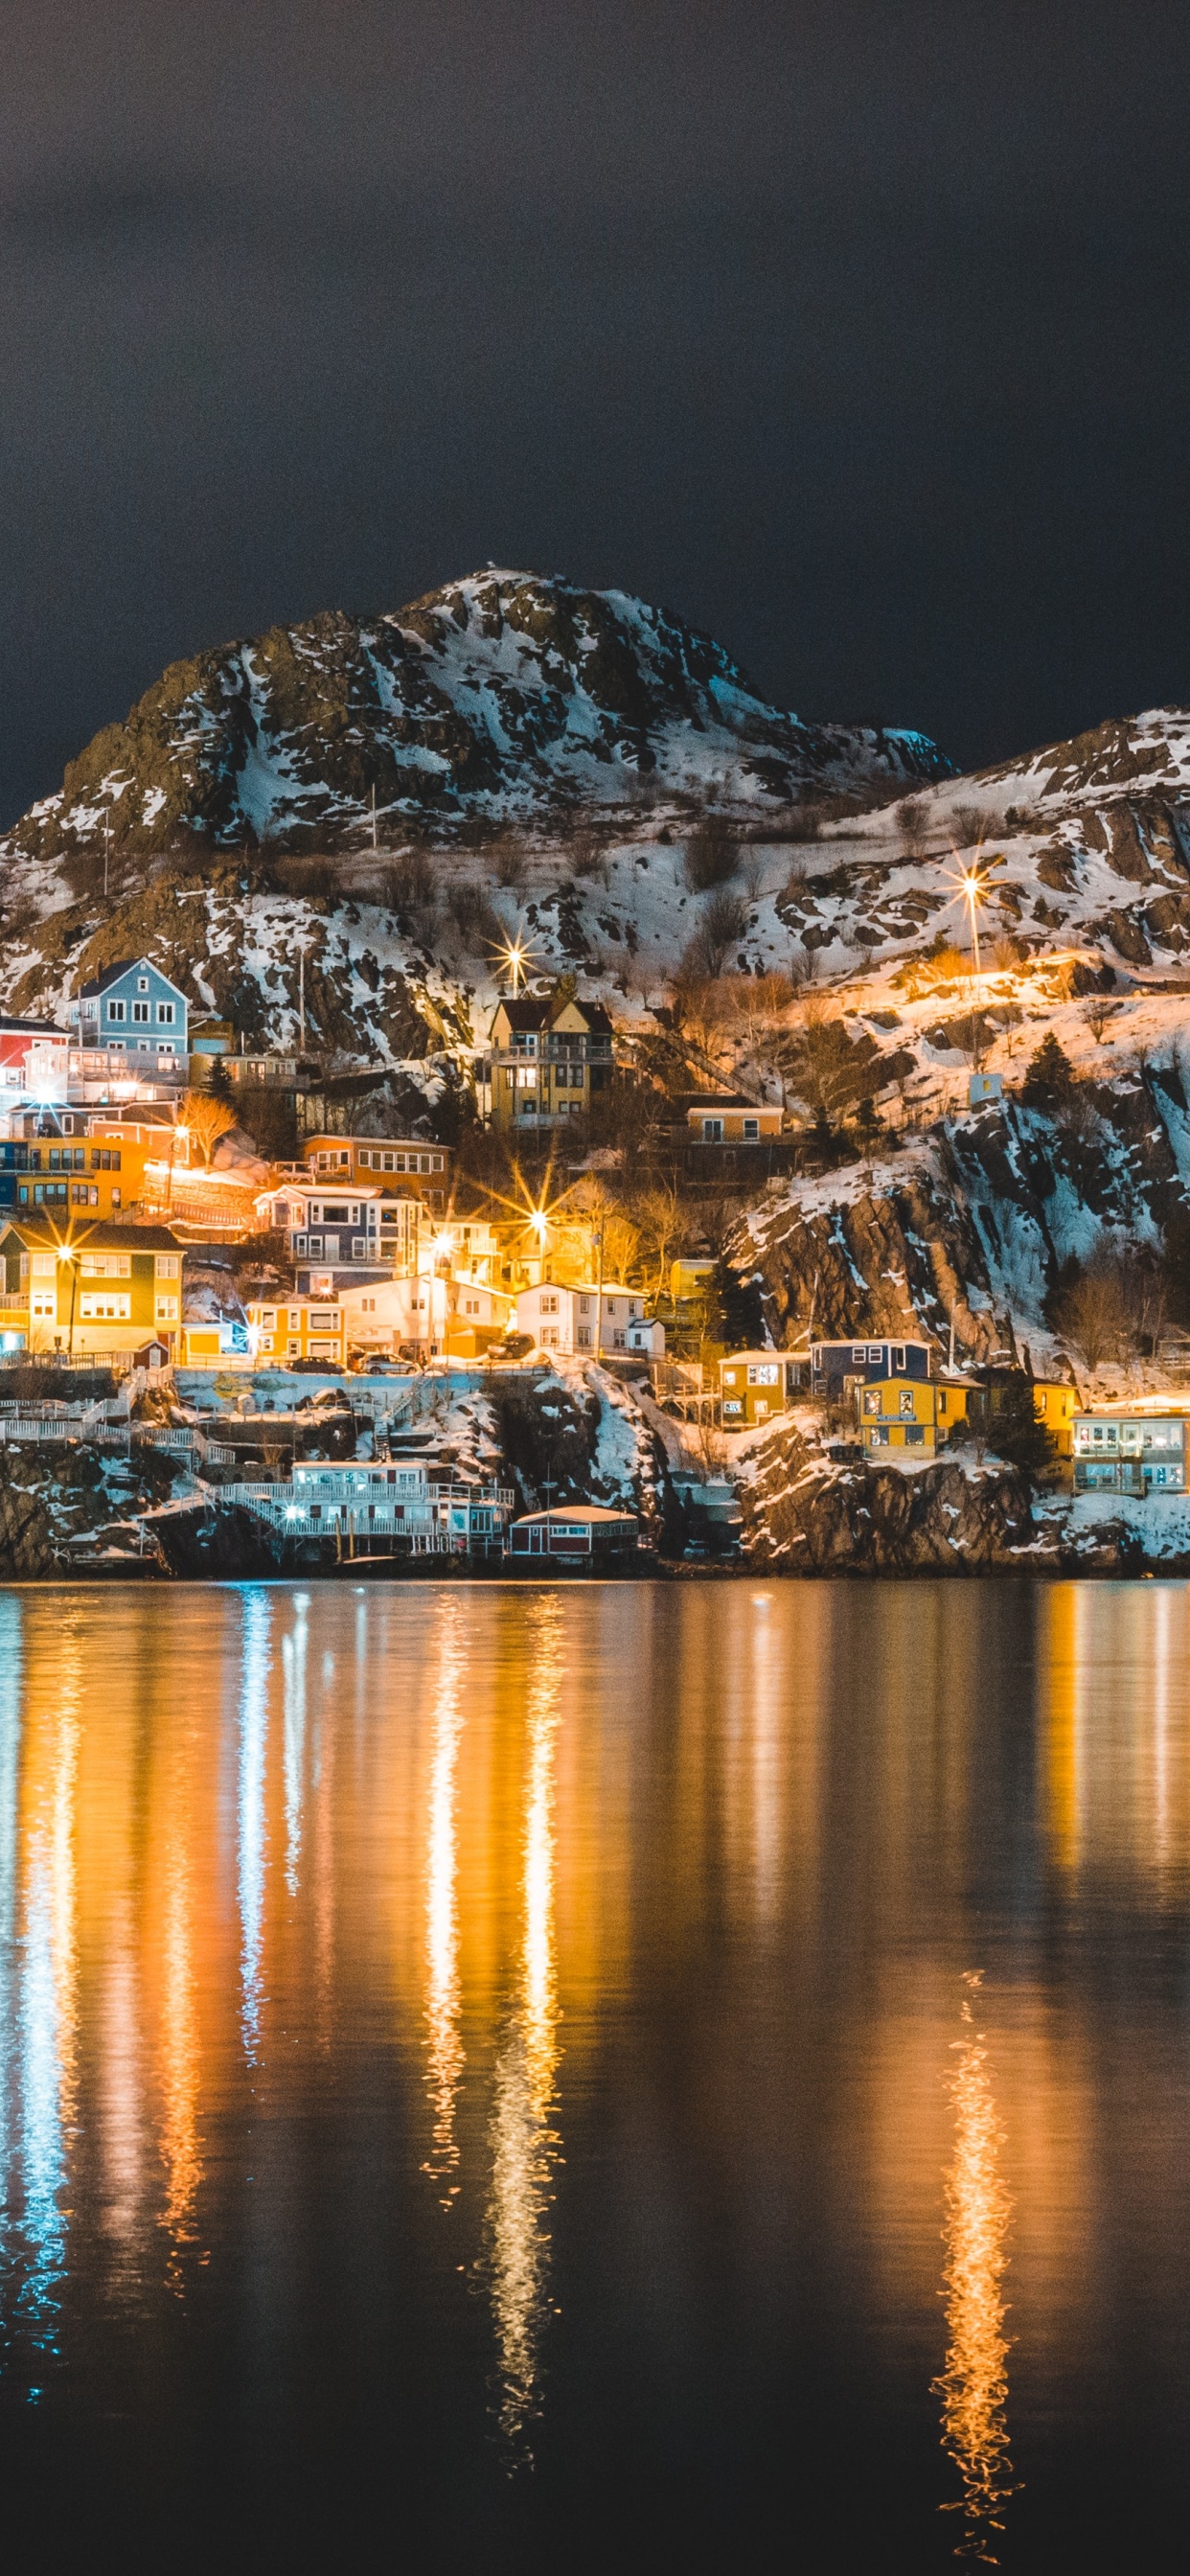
x: 26, y: 1532
x: 805, y: 1515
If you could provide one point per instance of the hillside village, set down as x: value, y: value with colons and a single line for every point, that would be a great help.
x: 618, y: 1125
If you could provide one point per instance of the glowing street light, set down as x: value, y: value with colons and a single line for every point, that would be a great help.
x: 516, y: 958
x: 972, y: 888
x: 69, y: 1252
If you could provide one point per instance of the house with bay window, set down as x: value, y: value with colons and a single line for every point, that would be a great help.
x: 344, y: 1225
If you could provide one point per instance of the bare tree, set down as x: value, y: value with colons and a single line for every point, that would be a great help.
x: 511, y: 862
x: 972, y: 825
x: 911, y: 819
x: 711, y: 856
x: 723, y: 924
x: 1098, y: 1012
x: 207, y: 1119
x: 1093, y: 1314
x: 584, y: 852
x: 754, y: 873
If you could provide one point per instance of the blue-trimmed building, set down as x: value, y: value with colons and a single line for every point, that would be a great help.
x: 132, y: 1009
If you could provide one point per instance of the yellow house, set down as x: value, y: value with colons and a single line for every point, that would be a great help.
x: 754, y: 1386
x: 729, y: 1118
x: 297, y: 1328
x: 1056, y: 1405
x: 550, y: 1056
x: 94, y: 1288
x: 912, y: 1413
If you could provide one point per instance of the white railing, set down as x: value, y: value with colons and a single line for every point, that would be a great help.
x: 62, y: 1426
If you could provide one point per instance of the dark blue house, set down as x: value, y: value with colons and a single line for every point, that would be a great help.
x: 831, y: 1362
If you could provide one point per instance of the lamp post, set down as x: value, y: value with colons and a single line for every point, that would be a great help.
x: 974, y: 889
x: 66, y: 1252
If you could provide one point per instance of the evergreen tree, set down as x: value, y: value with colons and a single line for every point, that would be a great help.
x: 1051, y: 1077
x: 1015, y: 1433
x: 739, y: 1309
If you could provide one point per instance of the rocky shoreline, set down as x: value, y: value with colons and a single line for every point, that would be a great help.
x: 803, y: 1515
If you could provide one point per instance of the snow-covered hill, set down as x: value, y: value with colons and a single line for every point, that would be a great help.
x: 503, y: 696
x: 513, y: 706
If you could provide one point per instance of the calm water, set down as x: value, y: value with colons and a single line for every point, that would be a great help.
x: 507, y: 2079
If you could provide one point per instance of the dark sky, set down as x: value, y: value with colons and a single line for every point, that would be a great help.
x: 858, y: 334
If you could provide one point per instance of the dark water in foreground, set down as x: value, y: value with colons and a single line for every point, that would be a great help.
x: 497, y: 2079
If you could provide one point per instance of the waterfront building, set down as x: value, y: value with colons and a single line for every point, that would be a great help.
x: 575, y: 1533
x: 1133, y: 1452
x: 898, y: 1413
x: 550, y: 1057
x: 589, y: 1318
x: 389, y: 1506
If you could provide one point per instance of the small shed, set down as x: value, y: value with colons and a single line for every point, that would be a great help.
x: 580, y: 1532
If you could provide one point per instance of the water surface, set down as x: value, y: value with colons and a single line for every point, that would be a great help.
x: 512, y: 2078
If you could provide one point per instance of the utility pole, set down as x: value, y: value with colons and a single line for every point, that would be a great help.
x: 373, y: 813
x: 599, y: 1296
x: 302, y: 1000
x: 107, y: 845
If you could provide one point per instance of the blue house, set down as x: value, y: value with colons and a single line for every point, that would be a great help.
x: 132, y: 1009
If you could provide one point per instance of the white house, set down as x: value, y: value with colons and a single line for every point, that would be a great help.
x: 432, y: 1312
x: 648, y: 1337
x: 580, y: 1319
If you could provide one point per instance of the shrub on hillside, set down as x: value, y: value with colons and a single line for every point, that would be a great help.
x: 711, y: 856
x: 723, y: 924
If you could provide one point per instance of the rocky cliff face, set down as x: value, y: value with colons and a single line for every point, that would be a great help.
x: 503, y: 695
x: 804, y: 1515
x: 976, y: 1226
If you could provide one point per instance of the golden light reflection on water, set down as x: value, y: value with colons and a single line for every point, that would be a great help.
x: 282, y: 1873
x: 974, y: 2382
x: 48, y: 2003
x: 525, y: 2144
x: 444, y: 2045
x: 180, y: 2051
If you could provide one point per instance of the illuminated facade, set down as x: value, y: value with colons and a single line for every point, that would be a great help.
x: 94, y: 1288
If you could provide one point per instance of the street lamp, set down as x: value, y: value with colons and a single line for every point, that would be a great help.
x: 516, y: 957
x: 66, y: 1252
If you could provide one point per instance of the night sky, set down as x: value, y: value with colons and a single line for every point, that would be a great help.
x: 857, y: 334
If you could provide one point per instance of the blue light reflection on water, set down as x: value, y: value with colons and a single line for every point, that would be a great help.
x: 254, y: 1720
x: 11, y: 1699
x: 293, y: 1659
